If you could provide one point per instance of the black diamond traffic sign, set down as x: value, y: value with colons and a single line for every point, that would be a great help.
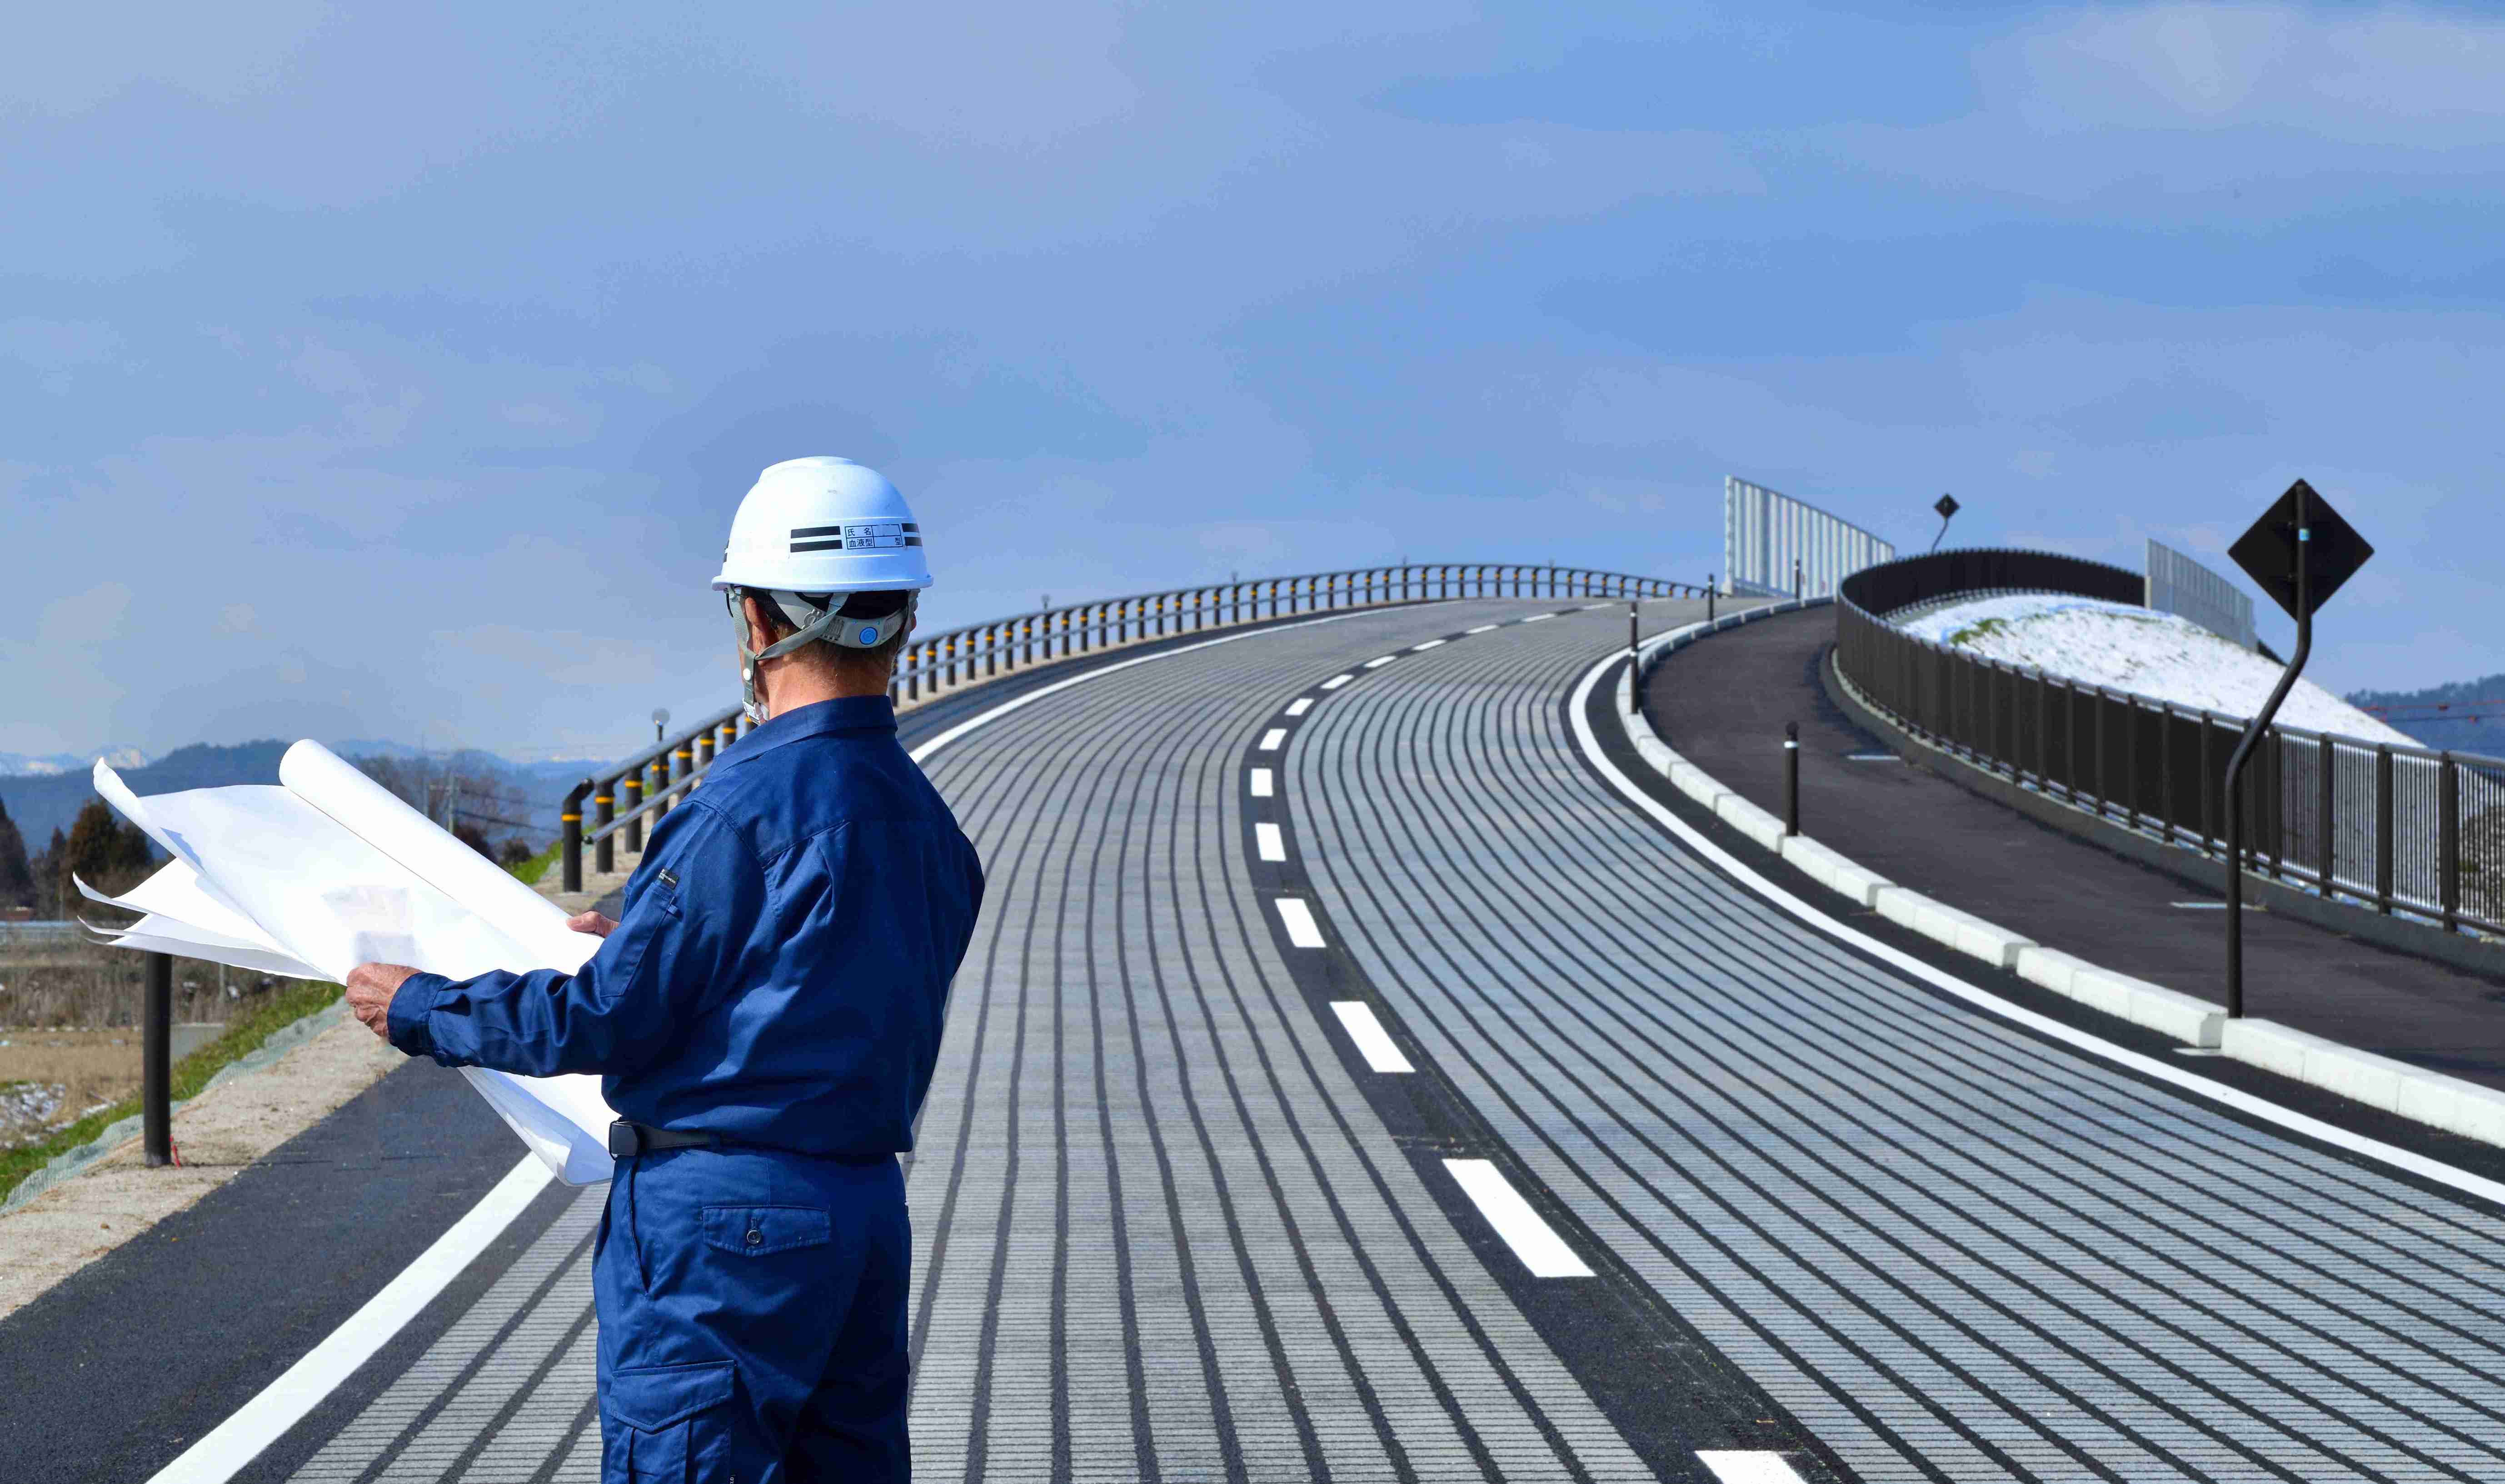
x: 1947, y: 507
x: 2333, y: 548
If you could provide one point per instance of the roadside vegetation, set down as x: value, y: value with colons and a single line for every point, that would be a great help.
x: 244, y: 1036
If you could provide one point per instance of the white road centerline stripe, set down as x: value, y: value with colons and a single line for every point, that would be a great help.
x: 1540, y: 617
x: 1376, y: 664
x: 1337, y: 681
x: 1420, y: 648
x: 1481, y: 629
x: 1261, y: 783
x: 1373, y: 1043
x: 1272, y: 845
x: 1271, y: 739
x: 1733, y: 1466
x: 1541, y: 1249
x: 1302, y: 930
x: 1301, y: 705
x: 300, y: 1388
x: 1982, y: 999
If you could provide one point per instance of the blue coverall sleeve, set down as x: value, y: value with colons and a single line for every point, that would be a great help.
x: 694, y: 908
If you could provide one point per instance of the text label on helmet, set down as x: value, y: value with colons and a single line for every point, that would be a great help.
x: 857, y: 536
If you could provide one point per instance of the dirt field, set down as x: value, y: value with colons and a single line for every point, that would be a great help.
x: 50, y: 1078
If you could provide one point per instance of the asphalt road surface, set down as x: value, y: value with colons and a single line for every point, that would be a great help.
x: 1351, y: 1081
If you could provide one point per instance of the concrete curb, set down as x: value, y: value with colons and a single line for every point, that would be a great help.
x: 2413, y: 1092
x: 70, y: 1162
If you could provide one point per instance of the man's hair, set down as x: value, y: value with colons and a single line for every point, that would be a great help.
x: 836, y: 658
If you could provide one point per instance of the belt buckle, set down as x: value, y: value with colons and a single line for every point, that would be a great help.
x: 625, y: 1142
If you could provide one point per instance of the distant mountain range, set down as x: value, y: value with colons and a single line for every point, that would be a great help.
x: 29, y: 765
x: 49, y: 794
x: 2445, y: 716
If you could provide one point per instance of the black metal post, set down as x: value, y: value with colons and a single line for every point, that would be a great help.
x: 633, y: 790
x: 604, y: 808
x: 2447, y: 839
x: 2243, y: 754
x: 569, y: 824
x: 1635, y: 677
x: 1792, y: 778
x: 2328, y: 766
x: 2384, y: 828
x: 1710, y: 590
x: 156, y: 1061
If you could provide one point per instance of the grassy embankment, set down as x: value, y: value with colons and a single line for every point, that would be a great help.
x: 243, y: 1037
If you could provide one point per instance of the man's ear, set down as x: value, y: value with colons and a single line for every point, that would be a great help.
x: 759, y: 633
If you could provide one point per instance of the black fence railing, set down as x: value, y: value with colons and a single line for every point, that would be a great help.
x: 624, y: 798
x: 2398, y: 829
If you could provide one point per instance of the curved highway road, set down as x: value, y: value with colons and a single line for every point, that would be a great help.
x: 1349, y: 1081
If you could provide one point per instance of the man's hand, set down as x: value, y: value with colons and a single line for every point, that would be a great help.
x: 592, y: 923
x: 370, y: 987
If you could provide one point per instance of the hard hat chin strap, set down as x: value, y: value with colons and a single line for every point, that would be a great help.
x: 827, y: 624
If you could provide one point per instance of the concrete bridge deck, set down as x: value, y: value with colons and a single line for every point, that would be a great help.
x: 1676, y: 1182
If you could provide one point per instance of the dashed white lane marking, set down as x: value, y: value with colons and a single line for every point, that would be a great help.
x: 1301, y: 705
x: 1302, y: 930
x: 1271, y: 739
x: 1261, y: 783
x: 1337, y: 681
x: 1372, y: 1042
x: 1420, y: 648
x: 1481, y: 629
x: 1273, y: 846
x: 1748, y: 1467
x: 1589, y: 606
x: 1538, y: 1247
x: 2200, y: 906
x: 1376, y: 664
x: 240, y: 1440
x: 1540, y: 617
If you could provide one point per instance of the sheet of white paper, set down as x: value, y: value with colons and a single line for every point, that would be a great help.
x: 163, y: 935
x: 326, y: 894
x: 176, y: 890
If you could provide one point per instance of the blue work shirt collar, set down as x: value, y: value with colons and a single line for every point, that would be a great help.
x: 820, y: 718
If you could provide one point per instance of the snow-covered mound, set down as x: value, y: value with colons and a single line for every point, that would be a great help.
x: 2154, y: 654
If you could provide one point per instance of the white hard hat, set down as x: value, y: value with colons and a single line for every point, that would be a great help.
x: 823, y: 524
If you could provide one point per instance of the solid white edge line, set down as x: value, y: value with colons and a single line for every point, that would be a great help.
x: 1337, y: 681
x: 1302, y: 930
x: 1261, y: 783
x: 1367, y: 1034
x: 1301, y: 705
x: 1266, y: 838
x: 1533, y: 1240
x: 1271, y: 739
x: 227, y: 1447
x: 2095, y: 1046
x: 1752, y: 1465
x: 240, y: 1440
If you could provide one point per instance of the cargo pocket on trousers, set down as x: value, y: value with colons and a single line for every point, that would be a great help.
x: 754, y: 1231
x: 671, y: 1423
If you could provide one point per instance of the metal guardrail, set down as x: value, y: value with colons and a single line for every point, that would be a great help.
x: 2405, y: 829
x: 625, y: 797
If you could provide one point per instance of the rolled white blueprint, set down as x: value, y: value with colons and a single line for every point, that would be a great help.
x: 329, y: 872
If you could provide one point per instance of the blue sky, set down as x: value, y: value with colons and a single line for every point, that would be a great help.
x: 395, y: 374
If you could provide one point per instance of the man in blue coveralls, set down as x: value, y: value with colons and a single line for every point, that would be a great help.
x: 765, y: 1013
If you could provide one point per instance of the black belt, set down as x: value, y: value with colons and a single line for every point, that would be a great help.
x: 627, y: 1139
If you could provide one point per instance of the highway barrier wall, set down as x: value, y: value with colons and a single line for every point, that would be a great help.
x: 1776, y: 546
x: 2179, y: 584
x: 2401, y: 831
